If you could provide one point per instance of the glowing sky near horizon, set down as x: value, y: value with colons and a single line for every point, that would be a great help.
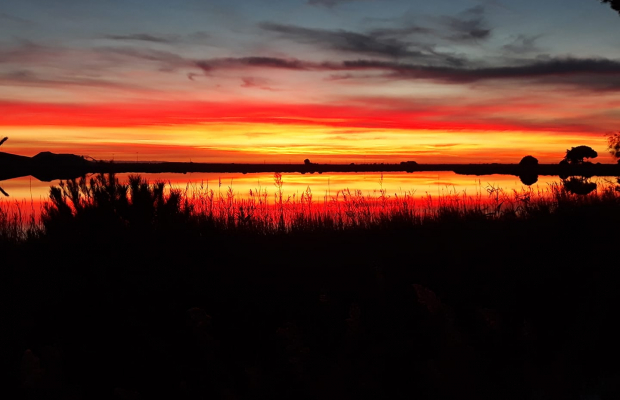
x: 330, y: 80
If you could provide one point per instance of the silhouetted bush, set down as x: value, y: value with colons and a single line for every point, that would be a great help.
x: 528, y: 161
x: 103, y: 205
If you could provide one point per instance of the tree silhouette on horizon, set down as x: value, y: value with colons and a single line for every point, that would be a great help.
x: 528, y: 161
x: 576, y: 154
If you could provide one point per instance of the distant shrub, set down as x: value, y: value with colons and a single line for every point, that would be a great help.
x: 528, y: 161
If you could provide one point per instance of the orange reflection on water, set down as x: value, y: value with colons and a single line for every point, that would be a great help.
x: 418, y: 184
x: 273, y: 201
x: 29, y: 193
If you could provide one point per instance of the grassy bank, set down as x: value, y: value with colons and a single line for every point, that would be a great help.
x: 132, y: 287
x: 103, y: 200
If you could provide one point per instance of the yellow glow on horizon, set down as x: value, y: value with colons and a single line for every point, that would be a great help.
x: 244, y: 142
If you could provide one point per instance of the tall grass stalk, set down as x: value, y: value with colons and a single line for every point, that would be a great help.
x: 18, y: 222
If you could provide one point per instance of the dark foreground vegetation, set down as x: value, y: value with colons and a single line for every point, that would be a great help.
x: 138, y: 291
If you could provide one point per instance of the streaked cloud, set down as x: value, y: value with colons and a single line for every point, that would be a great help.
x: 469, y: 25
x: 330, y: 3
x: 590, y: 73
x: 258, y: 62
x: 256, y: 83
x: 195, y: 37
x: 522, y: 44
x: 145, y: 37
x: 347, y: 41
x: 400, y: 114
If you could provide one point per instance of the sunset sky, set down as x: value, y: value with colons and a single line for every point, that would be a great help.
x: 330, y: 80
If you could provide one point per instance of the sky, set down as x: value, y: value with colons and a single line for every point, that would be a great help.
x: 443, y: 81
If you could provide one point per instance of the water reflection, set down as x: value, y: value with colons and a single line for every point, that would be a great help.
x: 346, y: 195
x: 394, y: 183
x: 579, y: 185
x: 528, y: 179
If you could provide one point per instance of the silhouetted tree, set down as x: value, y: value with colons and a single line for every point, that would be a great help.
x: 613, y: 145
x: 3, y: 140
x: 576, y: 154
x: 615, y: 4
x: 307, y: 162
x: 528, y: 161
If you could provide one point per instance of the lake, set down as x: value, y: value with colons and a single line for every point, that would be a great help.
x: 420, y: 190
x: 419, y: 184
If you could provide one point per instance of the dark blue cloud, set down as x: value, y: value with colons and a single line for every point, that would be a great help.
x: 376, y: 43
x: 329, y: 3
x: 145, y: 37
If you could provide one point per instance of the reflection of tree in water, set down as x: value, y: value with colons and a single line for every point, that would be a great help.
x: 528, y: 174
x: 528, y: 179
x: 575, y: 157
x: 579, y: 185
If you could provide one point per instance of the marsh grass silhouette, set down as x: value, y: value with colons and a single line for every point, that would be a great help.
x: 102, y: 205
x: 147, y: 290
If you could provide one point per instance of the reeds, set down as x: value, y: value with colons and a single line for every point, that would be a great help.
x: 18, y: 221
x: 103, y: 201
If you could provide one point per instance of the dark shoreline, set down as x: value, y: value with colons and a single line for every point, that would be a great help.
x: 462, y: 169
x: 49, y: 166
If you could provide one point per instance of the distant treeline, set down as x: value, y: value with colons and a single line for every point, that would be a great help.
x: 48, y: 166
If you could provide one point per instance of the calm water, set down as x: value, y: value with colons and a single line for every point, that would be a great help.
x: 30, y: 192
x: 417, y: 183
